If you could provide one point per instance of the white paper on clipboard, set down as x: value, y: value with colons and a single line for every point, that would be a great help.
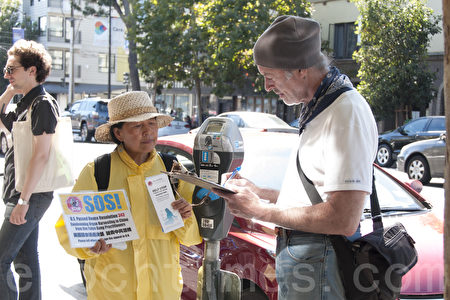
x: 194, y: 179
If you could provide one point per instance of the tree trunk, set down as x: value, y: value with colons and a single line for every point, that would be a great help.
x: 132, y: 63
x: 198, y: 94
x: 155, y: 91
x: 446, y: 25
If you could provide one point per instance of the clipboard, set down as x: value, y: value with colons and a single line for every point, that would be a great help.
x: 195, y: 180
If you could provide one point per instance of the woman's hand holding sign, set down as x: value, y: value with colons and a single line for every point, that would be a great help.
x: 100, y: 247
x: 183, y: 207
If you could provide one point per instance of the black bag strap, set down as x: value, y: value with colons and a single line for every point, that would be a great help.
x: 102, y: 168
x: 168, y: 160
x: 315, y: 198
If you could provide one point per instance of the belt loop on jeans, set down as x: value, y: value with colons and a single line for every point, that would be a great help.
x: 286, y: 233
x: 282, y: 232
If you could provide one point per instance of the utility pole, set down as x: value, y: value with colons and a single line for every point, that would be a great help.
x: 109, y: 53
x: 71, y: 67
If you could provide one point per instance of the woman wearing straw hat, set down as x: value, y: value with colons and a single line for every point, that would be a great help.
x: 149, y: 267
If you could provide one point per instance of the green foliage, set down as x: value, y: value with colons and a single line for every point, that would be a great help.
x: 394, y: 36
x: 206, y: 41
x: 9, y: 19
x: 235, y: 26
x: 170, y: 42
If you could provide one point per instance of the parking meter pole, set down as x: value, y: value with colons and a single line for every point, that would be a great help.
x: 211, y: 271
x: 218, y: 148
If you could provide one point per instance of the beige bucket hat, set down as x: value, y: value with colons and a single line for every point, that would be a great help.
x: 132, y: 106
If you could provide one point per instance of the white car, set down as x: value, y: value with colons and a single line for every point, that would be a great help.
x: 259, y: 121
x: 177, y: 126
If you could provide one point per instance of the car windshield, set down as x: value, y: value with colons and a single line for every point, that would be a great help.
x: 392, y: 196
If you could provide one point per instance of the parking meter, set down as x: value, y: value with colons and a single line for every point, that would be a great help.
x: 218, y: 148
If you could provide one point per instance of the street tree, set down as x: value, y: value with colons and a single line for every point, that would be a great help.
x: 172, y: 46
x: 395, y: 35
x: 235, y: 26
x: 10, y: 18
x: 206, y: 43
x: 127, y: 12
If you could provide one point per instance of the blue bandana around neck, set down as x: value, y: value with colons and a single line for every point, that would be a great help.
x: 331, y: 87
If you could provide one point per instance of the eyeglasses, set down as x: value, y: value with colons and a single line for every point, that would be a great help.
x: 9, y: 70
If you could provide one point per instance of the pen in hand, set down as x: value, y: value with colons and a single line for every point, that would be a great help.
x: 232, y: 174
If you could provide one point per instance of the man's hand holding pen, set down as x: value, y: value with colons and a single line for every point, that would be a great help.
x: 245, y: 203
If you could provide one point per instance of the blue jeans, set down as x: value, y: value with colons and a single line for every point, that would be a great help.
x: 18, y: 244
x: 306, y: 268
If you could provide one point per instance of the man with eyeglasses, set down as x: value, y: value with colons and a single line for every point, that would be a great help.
x: 26, y: 69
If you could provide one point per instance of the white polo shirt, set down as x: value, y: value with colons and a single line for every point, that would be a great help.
x: 336, y: 150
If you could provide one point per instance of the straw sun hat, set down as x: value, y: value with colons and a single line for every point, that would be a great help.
x: 133, y: 106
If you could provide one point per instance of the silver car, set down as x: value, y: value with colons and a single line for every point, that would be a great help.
x: 423, y: 160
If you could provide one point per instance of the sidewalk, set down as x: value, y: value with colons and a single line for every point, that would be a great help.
x: 59, y: 271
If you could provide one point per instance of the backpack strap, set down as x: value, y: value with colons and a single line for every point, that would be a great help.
x: 102, y: 168
x: 168, y: 160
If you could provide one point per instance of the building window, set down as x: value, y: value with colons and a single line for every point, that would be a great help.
x: 31, y: 2
x: 55, y: 3
x: 345, y: 40
x: 55, y: 26
x: 42, y: 23
x: 250, y: 104
x: 57, y: 59
x: 274, y: 106
x: 244, y: 103
x: 67, y: 61
x: 68, y: 29
x: 266, y: 106
x: 181, y: 106
x: 103, y: 63
x: 258, y: 104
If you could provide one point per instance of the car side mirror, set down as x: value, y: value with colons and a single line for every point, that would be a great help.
x: 401, y: 129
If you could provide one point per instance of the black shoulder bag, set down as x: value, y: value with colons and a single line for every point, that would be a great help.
x: 372, y: 266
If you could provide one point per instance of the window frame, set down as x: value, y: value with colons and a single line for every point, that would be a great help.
x: 341, y: 47
x: 55, y: 59
x: 103, y: 68
x: 51, y: 30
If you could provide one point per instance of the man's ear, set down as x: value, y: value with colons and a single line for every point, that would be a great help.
x: 302, y: 73
x: 33, y: 70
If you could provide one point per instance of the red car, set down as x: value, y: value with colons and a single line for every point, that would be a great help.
x: 249, y: 248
